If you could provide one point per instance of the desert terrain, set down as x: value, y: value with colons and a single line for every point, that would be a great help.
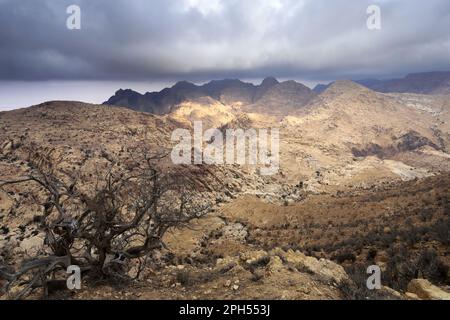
x: 364, y: 180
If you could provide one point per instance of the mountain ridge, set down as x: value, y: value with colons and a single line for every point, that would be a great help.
x: 227, y: 91
x: 429, y: 83
x: 270, y: 93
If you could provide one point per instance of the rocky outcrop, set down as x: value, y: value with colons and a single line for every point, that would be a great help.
x: 423, y: 289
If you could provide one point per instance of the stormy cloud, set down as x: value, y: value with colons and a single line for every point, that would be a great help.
x: 205, y: 39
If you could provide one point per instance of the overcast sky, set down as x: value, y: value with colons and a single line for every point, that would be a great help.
x: 151, y: 43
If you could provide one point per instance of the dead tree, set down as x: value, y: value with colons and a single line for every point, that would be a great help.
x: 103, y: 230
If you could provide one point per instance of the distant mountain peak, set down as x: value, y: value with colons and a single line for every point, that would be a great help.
x: 126, y: 91
x: 293, y: 84
x: 429, y: 74
x: 434, y: 82
x: 269, y: 81
x: 184, y: 84
x: 346, y: 87
x: 346, y: 84
x: 226, y: 82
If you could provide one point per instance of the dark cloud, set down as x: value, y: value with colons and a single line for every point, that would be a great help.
x: 202, y: 39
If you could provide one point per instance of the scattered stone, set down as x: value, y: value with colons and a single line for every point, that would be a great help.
x: 235, y: 231
x: 254, y: 257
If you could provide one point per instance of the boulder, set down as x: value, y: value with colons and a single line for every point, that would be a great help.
x: 411, y: 296
x: 252, y: 258
x: 425, y: 290
x: 326, y: 269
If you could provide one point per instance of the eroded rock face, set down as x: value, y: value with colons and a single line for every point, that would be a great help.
x: 424, y: 289
x: 275, y: 265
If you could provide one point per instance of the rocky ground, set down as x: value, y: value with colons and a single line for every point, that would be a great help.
x: 357, y: 187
